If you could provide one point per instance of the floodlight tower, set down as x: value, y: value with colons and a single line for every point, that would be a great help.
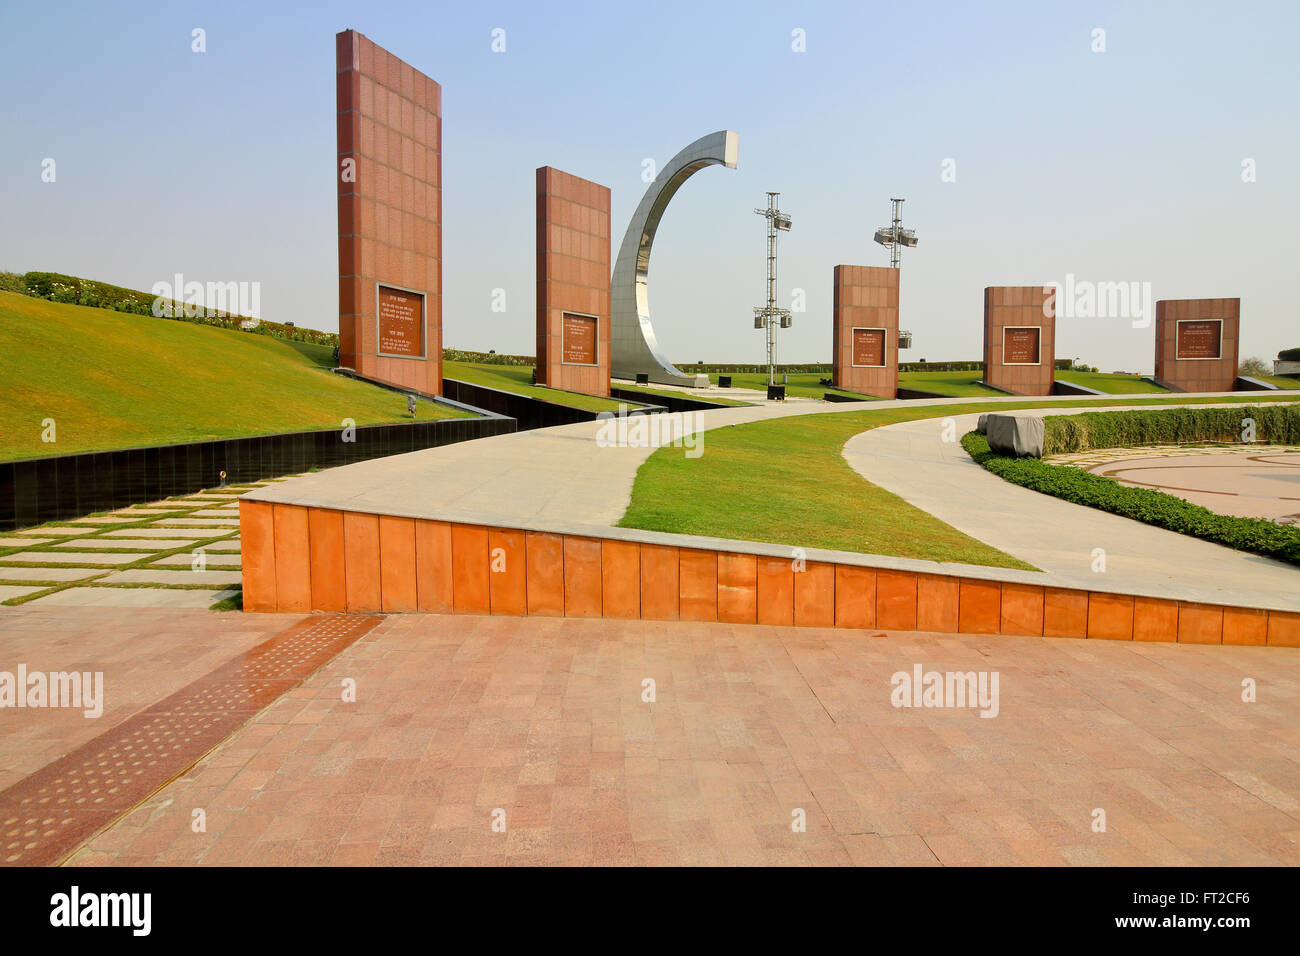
x: 895, y: 236
x: 768, y: 316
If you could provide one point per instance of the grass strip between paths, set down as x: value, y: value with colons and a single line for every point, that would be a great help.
x: 785, y: 481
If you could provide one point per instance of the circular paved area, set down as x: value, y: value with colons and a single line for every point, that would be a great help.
x: 1246, y: 483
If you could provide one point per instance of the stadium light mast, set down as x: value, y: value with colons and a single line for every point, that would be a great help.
x: 769, y: 316
x: 896, y: 237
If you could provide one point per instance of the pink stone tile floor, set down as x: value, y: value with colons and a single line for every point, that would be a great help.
x: 458, y: 717
x: 144, y: 653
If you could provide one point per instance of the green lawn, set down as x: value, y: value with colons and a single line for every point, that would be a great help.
x: 1109, y: 383
x: 784, y: 481
x: 966, y: 384
x: 1281, y: 381
x: 957, y: 384
x: 801, y: 384
x: 112, y: 380
x: 518, y: 379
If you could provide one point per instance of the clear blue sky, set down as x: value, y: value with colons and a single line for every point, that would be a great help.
x: 1123, y: 165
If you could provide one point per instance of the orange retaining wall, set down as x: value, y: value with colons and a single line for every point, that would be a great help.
x: 297, y: 558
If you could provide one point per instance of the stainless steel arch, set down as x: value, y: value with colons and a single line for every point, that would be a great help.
x: 634, y: 346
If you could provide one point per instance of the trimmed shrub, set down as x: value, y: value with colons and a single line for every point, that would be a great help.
x: 1148, y: 505
x: 76, y: 291
x: 486, y: 358
x: 1277, y: 424
x: 697, y: 368
x: 924, y: 366
x: 1289, y: 355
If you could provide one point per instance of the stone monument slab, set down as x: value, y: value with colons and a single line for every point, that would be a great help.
x: 1196, y: 344
x: 573, y: 298
x: 864, y: 352
x: 389, y: 172
x: 1019, y: 339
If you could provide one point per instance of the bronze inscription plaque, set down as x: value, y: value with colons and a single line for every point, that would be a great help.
x: 401, y: 322
x: 579, y: 346
x: 1202, y: 339
x: 1020, y: 346
x: 869, y: 347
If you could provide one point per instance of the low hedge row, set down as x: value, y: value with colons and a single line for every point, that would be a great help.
x: 1061, y: 365
x: 1277, y: 424
x: 77, y: 291
x: 924, y: 366
x: 12, y: 282
x: 699, y: 368
x: 1148, y: 505
x: 486, y: 358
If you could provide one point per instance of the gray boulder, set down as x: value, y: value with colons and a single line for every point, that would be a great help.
x: 1015, y: 435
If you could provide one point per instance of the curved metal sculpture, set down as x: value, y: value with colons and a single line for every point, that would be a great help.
x: 634, y: 346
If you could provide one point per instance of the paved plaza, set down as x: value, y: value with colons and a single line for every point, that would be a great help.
x: 542, y: 723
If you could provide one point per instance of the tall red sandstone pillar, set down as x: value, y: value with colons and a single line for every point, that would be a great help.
x: 1196, y: 344
x: 1020, y: 339
x: 573, y: 330
x: 865, y: 352
x: 390, y: 217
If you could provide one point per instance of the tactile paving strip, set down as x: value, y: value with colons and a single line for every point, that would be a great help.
x: 46, y: 816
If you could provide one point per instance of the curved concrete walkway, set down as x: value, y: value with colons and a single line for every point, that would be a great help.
x: 559, y: 474
x: 912, y: 460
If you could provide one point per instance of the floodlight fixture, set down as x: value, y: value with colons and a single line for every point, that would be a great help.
x: 895, y: 237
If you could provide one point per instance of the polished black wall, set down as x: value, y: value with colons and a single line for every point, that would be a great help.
x: 672, y: 403
x: 69, y: 486
x: 528, y: 411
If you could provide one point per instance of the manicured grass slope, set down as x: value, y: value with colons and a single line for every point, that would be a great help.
x: 785, y: 482
x: 967, y: 383
x: 801, y: 384
x: 1110, y: 383
x: 518, y: 379
x: 113, y: 380
x: 960, y: 384
x: 1281, y: 381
